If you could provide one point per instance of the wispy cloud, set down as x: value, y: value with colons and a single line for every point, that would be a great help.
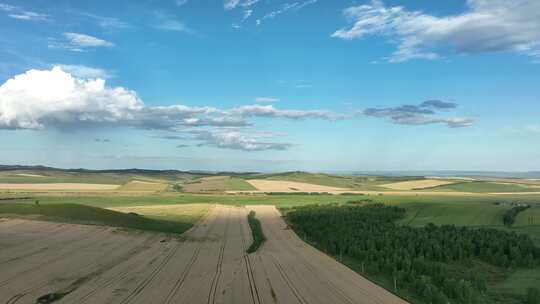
x: 247, y: 14
x: 236, y: 141
x: 182, y: 146
x: 180, y: 2
x: 231, y: 4
x: 291, y: 6
x: 266, y: 99
x: 78, y: 42
x: 83, y: 40
x: 30, y: 16
x: 534, y: 128
x: 297, y: 84
x: 270, y: 111
x: 169, y: 23
x: 83, y: 71
x: 21, y: 14
x: 486, y: 26
x: 422, y: 114
x: 108, y: 22
x: 7, y: 8
x: 169, y: 136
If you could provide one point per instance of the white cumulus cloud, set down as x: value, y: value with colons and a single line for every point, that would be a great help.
x: 36, y: 99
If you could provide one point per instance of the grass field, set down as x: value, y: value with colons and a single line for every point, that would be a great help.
x: 282, y: 200
x: 78, y: 176
x: 529, y: 217
x: 460, y: 214
x: 487, y: 187
x: 39, y: 187
x: 520, y: 280
x: 81, y: 214
x: 26, y: 178
x: 349, y: 182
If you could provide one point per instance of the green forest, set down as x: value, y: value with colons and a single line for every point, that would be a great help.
x: 430, y: 264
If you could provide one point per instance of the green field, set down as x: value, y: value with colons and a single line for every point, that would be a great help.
x: 460, y: 214
x: 520, y: 280
x: 282, y: 200
x: 237, y: 184
x: 487, y: 187
x: 474, y: 210
x: 367, y: 183
x: 82, y: 214
x: 529, y: 217
x: 10, y: 179
x: 75, y: 176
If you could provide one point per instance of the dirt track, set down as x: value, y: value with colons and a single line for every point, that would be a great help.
x: 96, y: 265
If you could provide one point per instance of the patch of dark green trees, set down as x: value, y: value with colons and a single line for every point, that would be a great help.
x: 256, y: 232
x: 433, y: 263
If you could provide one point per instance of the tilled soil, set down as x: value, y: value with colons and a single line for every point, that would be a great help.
x: 91, y: 264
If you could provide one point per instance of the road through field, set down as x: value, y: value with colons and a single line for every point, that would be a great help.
x: 91, y: 264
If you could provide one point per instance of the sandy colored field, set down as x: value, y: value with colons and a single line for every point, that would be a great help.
x: 95, y: 265
x: 418, y: 184
x: 286, y: 186
x: 136, y: 185
x: 58, y: 186
x: 190, y: 212
x: 216, y: 184
x: 29, y: 175
x: 461, y: 178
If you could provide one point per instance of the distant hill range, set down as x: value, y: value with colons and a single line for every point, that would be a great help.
x: 118, y: 171
x: 449, y: 173
x: 440, y: 173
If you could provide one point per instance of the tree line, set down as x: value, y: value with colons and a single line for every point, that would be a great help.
x: 422, y: 259
x: 509, y: 216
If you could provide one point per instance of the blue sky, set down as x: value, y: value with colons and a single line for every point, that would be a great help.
x: 271, y: 85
